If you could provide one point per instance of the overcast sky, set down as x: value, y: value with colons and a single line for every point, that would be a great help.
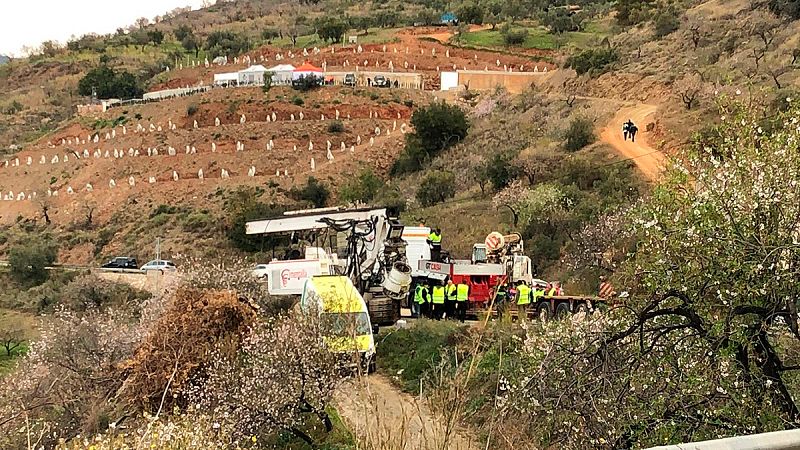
x: 31, y: 22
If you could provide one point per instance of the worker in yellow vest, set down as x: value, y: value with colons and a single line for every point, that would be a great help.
x: 523, y: 300
x: 554, y: 290
x: 450, y: 299
x: 462, y: 297
x: 438, y: 302
x: 427, y: 308
x: 538, y: 294
x: 435, y: 237
x: 419, y: 300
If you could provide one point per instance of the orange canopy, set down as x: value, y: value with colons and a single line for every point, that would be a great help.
x: 307, y: 67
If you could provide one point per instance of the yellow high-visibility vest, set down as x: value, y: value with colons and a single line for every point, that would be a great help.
x: 435, y: 237
x: 418, y: 295
x: 438, y: 295
x: 463, y: 292
x: 524, y: 294
x: 451, y: 291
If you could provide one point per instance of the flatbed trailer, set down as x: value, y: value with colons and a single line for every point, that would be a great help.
x: 546, y: 308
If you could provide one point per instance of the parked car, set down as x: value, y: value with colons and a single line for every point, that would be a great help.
x: 121, y: 262
x: 159, y: 264
x: 260, y: 271
x: 350, y: 79
x: 381, y: 81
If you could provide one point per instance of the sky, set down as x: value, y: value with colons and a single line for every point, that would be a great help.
x: 31, y: 22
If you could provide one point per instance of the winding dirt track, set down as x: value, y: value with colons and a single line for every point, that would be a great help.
x: 649, y: 160
x: 384, y: 418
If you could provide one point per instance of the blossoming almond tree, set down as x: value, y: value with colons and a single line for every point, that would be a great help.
x: 707, y: 345
x: 282, y: 374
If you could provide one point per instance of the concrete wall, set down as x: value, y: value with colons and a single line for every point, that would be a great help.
x: 514, y: 82
x: 406, y: 79
x: 169, y: 93
x: 153, y: 281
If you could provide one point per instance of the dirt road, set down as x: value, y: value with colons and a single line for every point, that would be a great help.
x: 650, y: 161
x: 382, y: 417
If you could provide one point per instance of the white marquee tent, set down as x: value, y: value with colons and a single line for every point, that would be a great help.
x: 282, y: 73
x: 252, y: 75
x: 226, y: 79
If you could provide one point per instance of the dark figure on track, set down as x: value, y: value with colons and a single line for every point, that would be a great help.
x: 629, y: 129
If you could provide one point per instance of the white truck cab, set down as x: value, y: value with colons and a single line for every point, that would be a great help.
x: 288, y: 277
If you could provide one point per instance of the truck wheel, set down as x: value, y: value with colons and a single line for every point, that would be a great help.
x: 543, y: 310
x: 582, y: 311
x: 562, y: 310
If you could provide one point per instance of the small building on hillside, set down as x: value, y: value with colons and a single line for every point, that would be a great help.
x: 252, y: 75
x: 449, y: 18
x: 305, y: 70
x: 282, y: 73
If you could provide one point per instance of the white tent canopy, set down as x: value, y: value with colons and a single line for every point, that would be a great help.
x: 282, y: 73
x: 252, y: 75
x: 226, y: 78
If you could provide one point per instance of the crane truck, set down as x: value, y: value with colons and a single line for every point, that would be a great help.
x: 374, y: 248
x: 498, y: 261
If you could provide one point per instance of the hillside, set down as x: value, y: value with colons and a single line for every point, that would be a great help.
x: 694, y: 225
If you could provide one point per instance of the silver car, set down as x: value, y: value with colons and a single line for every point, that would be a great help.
x: 159, y: 264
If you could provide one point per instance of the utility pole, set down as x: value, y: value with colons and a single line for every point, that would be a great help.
x: 158, y: 249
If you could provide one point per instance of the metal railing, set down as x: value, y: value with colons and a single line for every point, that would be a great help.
x: 777, y: 440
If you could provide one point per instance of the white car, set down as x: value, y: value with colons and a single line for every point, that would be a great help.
x: 260, y: 271
x: 159, y: 264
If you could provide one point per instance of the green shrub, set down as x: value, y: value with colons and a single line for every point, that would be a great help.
x: 594, y: 61
x: 436, y: 187
x: 191, y: 110
x: 28, y: 261
x: 515, y: 37
x: 579, y: 134
x: 336, y: 127
x: 226, y: 43
x: 164, y: 209
x: 436, y: 128
x: 364, y: 188
x: 789, y: 8
x: 242, y: 206
x: 267, y: 82
x: 426, y: 338
x: 314, y: 193
x: 197, y: 222
x: 297, y: 101
x: 269, y: 34
x: 500, y: 171
x: 14, y: 107
x: 631, y: 12
x: 666, y: 22
x: 91, y: 292
x: 108, y: 83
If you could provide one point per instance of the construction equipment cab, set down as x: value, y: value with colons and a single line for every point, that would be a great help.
x: 344, y: 317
